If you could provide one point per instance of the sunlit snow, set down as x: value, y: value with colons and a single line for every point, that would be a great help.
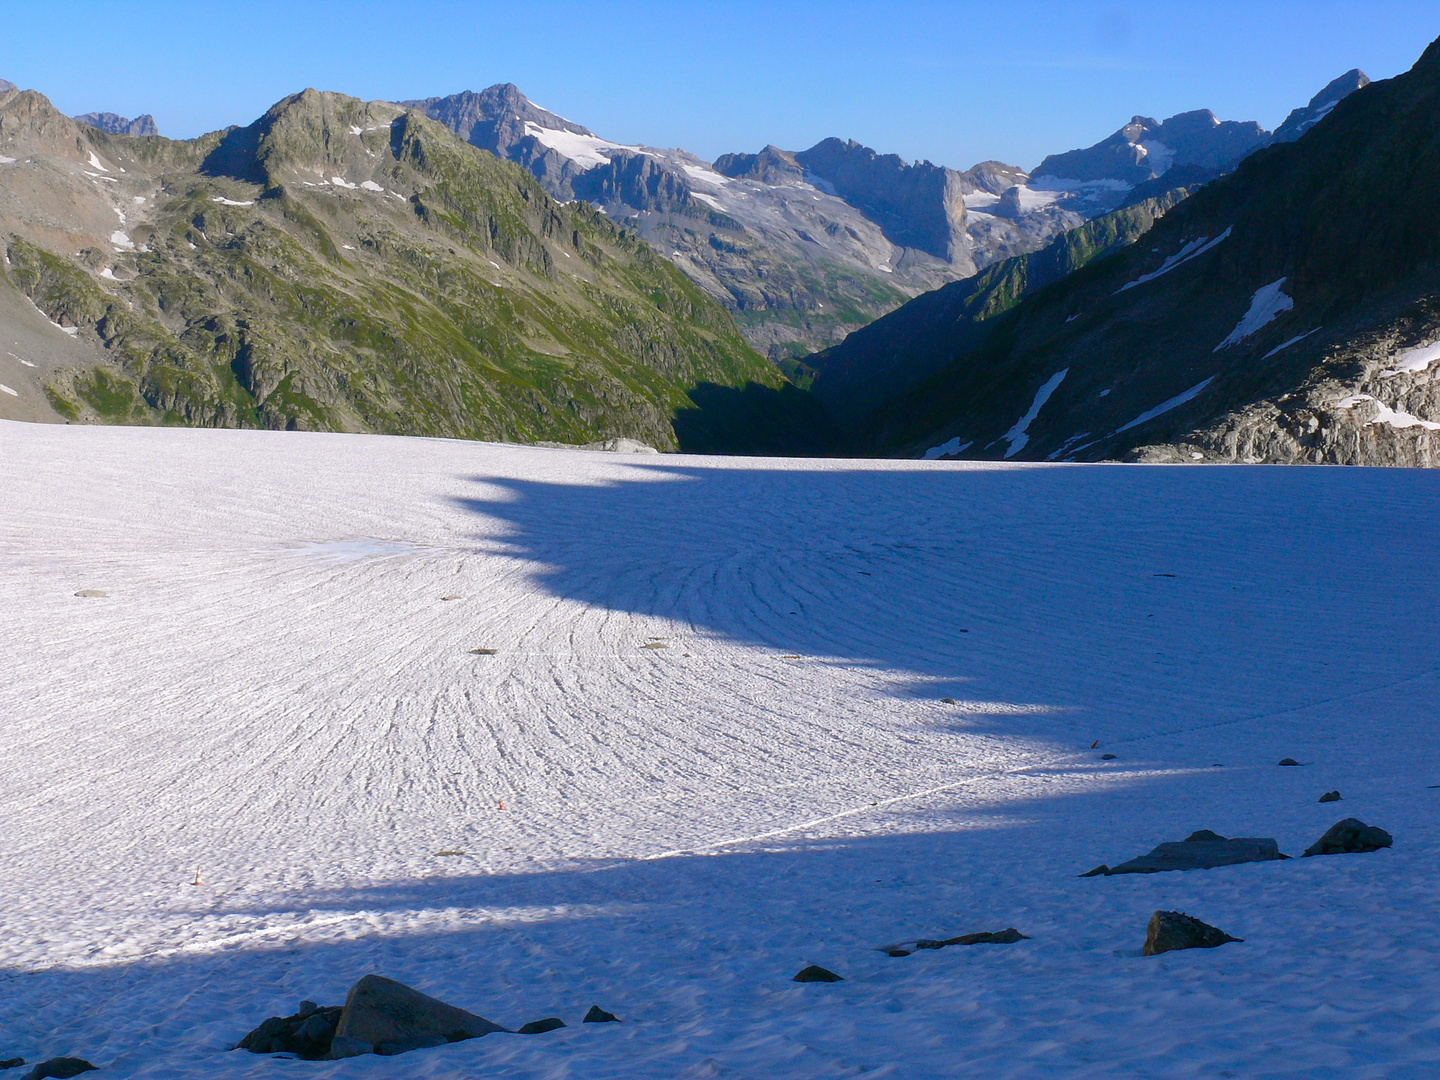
x: 1016, y: 436
x: 1267, y: 303
x: 1165, y: 406
x: 1191, y: 250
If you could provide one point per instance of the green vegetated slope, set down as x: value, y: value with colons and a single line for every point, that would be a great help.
x: 883, y: 360
x: 340, y: 265
x: 1342, y: 223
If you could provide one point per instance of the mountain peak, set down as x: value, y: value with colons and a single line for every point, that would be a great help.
x: 6, y: 86
x: 1302, y: 120
x: 115, y: 124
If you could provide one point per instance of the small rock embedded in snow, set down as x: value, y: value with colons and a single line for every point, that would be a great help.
x: 815, y: 973
x: 1330, y: 796
x: 1107, y: 757
x: 597, y: 1015
x: 1201, y: 850
x: 61, y: 1068
x: 1350, y: 836
x: 1171, y: 930
x: 1008, y: 936
x: 539, y: 1027
x: 92, y: 592
x: 1287, y: 761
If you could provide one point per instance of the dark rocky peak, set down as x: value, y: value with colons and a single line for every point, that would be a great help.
x: 114, y: 124
x: 770, y: 166
x: 495, y: 118
x: 1302, y: 120
x: 918, y: 205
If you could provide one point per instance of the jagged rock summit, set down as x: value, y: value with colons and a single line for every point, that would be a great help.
x: 1302, y: 120
x: 115, y: 124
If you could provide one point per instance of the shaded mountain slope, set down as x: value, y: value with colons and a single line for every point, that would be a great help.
x: 1286, y: 287
x: 345, y: 266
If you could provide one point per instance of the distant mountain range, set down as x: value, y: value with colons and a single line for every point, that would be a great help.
x: 1288, y: 311
x: 805, y: 246
x: 120, y: 125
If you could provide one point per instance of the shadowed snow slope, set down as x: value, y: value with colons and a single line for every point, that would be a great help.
x: 278, y: 687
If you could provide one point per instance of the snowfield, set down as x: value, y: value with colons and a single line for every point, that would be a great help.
x: 715, y: 719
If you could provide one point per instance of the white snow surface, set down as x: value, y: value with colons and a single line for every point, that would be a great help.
x: 95, y: 162
x: 1412, y: 360
x: 1016, y: 436
x: 233, y: 202
x: 1265, y: 305
x: 6, y: 160
x: 275, y: 689
x: 1384, y: 414
x: 1160, y: 156
x: 584, y: 150
x: 6, y: 390
x: 1192, y: 249
x: 120, y: 240
x: 1166, y: 405
x: 950, y: 446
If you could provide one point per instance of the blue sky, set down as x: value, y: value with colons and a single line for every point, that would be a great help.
x: 954, y: 83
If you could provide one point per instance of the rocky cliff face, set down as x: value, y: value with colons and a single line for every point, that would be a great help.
x: 344, y: 265
x: 115, y: 124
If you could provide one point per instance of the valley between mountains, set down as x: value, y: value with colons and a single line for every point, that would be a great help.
x: 476, y: 266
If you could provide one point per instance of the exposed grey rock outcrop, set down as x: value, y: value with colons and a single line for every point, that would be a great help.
x: 306, y: 1034
x: 539, y: 1027
x: 1330, y: 796
x: 1172, y: 930
x: 597, y: 1015
x: 1201, y: 850
x: 1349, y: 836
x: 1145, y: 148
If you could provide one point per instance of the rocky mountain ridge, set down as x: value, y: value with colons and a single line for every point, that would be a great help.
x: 1286, y: 312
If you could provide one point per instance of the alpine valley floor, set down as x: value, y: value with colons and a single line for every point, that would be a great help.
x: 278, y: 689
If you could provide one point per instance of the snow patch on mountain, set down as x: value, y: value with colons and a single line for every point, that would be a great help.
x: 1166, y: 405
x: 587, y: 151
x: 1016, y: 436
x: 1412, y: 360
x: 1192, y: 250
x: 1386, y: 415
x: 1266, y: 305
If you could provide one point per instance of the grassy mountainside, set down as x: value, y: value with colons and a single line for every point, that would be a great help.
x: 1166, y: 342
x: 350, y: 266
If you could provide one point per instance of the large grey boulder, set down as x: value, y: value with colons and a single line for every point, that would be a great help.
x: 1201, y: 850
x: 1350, y: 835
x: 1171, y: 930
x: 391, y: 1017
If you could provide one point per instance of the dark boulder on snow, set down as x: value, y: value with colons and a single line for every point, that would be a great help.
x: 597, y: 1015
x: 1350, y: 835
x: 1007, y: 936
x: 1330, y: 796
x: 1171, y: 930
x: 1287, y: 761
x: 393, y: 1018
x: 15, y: 1062
x: 1201, y: 850
x: 815, y: 973
x: 60, y: 1067
x: 307, y: 1034
x: 539, y: 1027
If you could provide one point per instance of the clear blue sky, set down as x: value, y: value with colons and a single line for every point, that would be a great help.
x: 952, y: 82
